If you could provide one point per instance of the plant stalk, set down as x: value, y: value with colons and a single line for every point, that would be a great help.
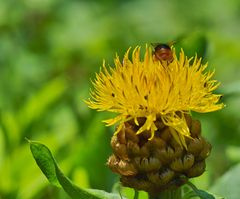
x: 169, y: 194
x: 136, y: 194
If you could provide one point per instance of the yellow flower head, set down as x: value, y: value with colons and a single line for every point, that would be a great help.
x: 153, y: 89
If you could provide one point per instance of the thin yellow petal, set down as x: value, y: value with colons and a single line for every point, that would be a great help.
x: 136, y: 88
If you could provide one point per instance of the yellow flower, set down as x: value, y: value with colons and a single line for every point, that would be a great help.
x: 152, y: 89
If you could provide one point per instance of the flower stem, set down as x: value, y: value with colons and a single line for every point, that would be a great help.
x: 169, y: 194
x: 136, y: 194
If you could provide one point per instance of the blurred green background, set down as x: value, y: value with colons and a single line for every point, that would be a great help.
x: 49, y: 51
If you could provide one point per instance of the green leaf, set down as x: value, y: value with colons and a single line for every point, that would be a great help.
x: 128, y: 192
x: 232, y: 152
x: 45, y: 161
x: 228, y: 184
x: 105, y: 195
x: 204, y: 195
x: 49, y: 167
x: 192, y: 43
x: 231, y: 89
x: 192, y: 194
x: 2, y: 147
x: 39, y: 103
x: 201, y: 193
x: 10, y: 128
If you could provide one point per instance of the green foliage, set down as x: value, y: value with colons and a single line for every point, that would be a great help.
x: 45, y: 161
x: 49, y: 51
x: 197, y: 192
x: 49, y: 167
x: 228, y: 184
x: 196, y: 39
